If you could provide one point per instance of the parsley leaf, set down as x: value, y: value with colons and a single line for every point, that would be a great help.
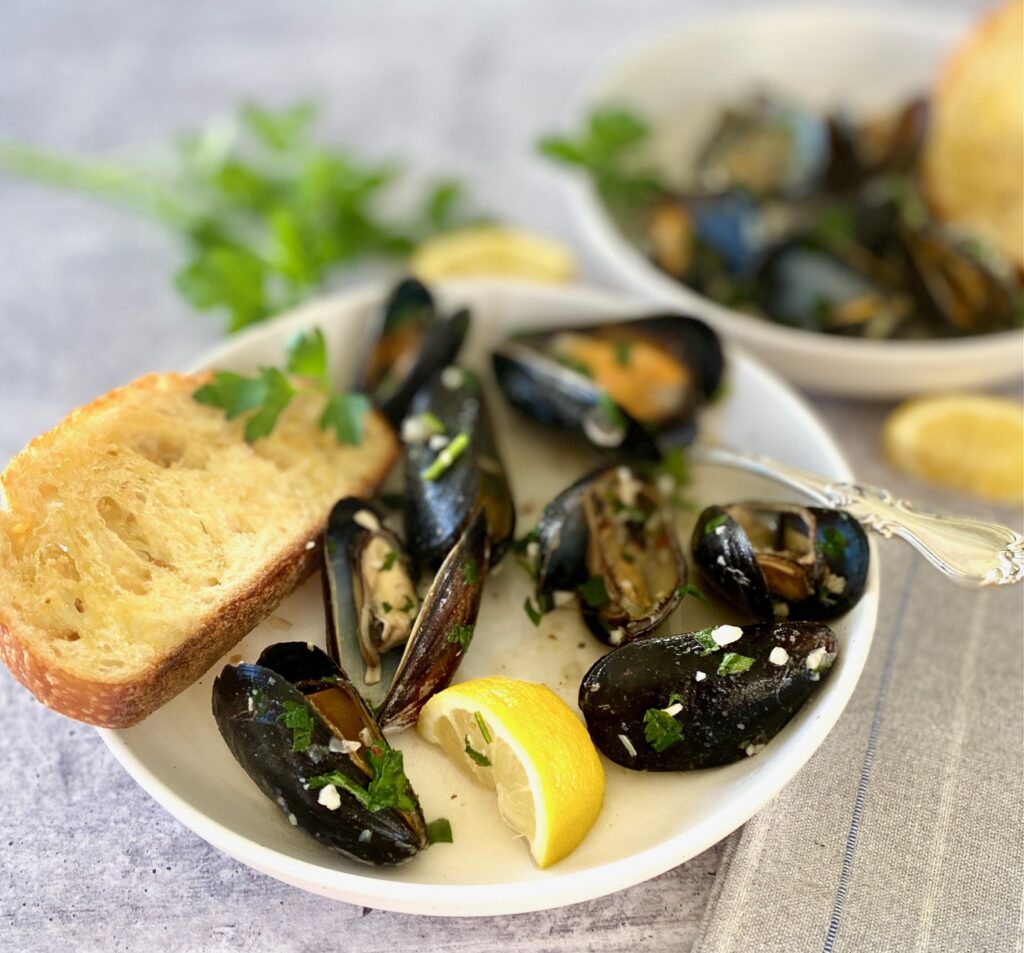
x: 388, y: 787
x: 734, y: 664
x: 611, y: 410
x: 706, y: 641
x: 470, y: 571
x: 691, y: 590
x: 485, y: 732
x: 389, y: 561
x: 594, y: 593
x: 834, y: 545
x: 461, y: 635
x: 661, y: 730
x: 712, y: 524
x: 623, y: 351
x: 345, y: 414
x: 297, y: 717
x: 439, y: 831
x: 480, y: 759
x: 532, y: 611
x: 307, y: 355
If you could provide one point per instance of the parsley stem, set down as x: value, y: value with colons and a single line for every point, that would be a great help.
x: 447, y: 457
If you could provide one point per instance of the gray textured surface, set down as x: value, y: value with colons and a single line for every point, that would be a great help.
x: 88, y: 860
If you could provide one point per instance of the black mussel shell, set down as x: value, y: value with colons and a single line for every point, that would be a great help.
x: 810, y: 283
x: 765, y: 147
x: 609, y: 538
x: 444, y: 628
x: 772, y: 559
x: 256, y: 705
x: 369, y: 596
x: 678, y: 702
x: 440, y: 497
x: 411, y: 344
x: 656, y: 370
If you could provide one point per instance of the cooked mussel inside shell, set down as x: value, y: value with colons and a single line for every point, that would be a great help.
x: 301, y: 731
x: 656, y: 371
x: 701, y: 699
x: 370, y: 595
x: 609, y: 539
x: 453, y: 468
x: 411, y: 343
x: 778, y: 560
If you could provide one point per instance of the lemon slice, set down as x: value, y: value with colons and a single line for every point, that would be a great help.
x: 968, y: 442
x: 524, y: 742
x: 492, y: 250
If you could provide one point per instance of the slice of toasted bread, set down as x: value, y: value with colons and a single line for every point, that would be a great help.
x: 142, y: 537
x: 973, y: 162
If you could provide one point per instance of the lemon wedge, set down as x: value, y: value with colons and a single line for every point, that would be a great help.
x: 524, y: 742
x: 492, y: 250
x: 969, y: 442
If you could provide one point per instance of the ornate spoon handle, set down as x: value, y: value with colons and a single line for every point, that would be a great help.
x: 970, y: 552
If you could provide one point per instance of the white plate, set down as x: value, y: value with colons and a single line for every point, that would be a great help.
x: 866, y: 58
x: 650, y: 822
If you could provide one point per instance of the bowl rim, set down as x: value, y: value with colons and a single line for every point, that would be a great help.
x: 615, y: 249
x: 554, y: 889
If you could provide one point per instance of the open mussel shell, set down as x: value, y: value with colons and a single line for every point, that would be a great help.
x: 443, y: 630
x: 412, y: 342
x: 609, y: 539
x: 450, y: 474
x: 615, y: 382
x: 773, y: 559
x: 369, y: 595
x: 678, y: 702
x: 255, y: 707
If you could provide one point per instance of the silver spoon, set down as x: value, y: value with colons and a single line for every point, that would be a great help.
x: 971, y: 552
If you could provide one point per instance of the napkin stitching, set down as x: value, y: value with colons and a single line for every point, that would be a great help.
x: 865, y: 772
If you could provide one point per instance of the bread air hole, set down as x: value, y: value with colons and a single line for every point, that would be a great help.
x: 164, y: 451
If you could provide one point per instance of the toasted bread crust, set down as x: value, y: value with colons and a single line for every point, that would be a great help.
x: 113, y: 703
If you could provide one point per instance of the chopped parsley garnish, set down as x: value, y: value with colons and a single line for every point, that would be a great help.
x: 712, y: 524
x: 480, y: 759
x: 611, y: 410
x: 470, y: 571
x: 385, y: 607
x: 408, y: 605
x: 574, y: 365
x: 260, y: 702
x: 623, y: 351
x: 439, y: 831
x: 594, y: 593
x: 661, y: 730
x: 447, y: 457
x: 297, y: 717
x: 461, y: 635
x: 706, y: 641
x: 485, y: 732
x: 388, y: 787
x: 532, y: 611
x: 834, y: 545
x: 521, y: 551
x: 389, y: 561
x: 734, y: 664
x: 691, y: 590
x: 431, y: 422
x: 674, y: 699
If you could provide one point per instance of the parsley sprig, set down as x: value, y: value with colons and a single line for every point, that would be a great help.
x: 270, y: 390
x: 388, y: 787
x: 266, y: 212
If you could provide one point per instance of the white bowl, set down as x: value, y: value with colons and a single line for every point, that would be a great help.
x: 650, y: 822
x: 866, y: 58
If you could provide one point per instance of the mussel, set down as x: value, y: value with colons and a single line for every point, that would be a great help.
x: 778, y: 560
x: 300, y: 730
x: 609, y: 539
x: 615, y: 383
x: 372, y: 609
x: 452, y: 467
x: 411, y: 343
x: 678, y: 702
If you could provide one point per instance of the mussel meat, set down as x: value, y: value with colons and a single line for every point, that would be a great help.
x: 411, y: 344
x: 678, y: 702
x: 777, y: 560
x: 615, y: 382
x: 452, y: 467
x: 609, y: 539
x: 299, y: 728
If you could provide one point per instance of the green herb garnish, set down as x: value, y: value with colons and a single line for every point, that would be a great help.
x: 431, y: 423
x: 734, y: 664
x: 485, y: 732
x: 385, y: 607
x: 706, y: 641
x: 674, y: 699
x: 661, y: 730
x: 574, y: 365
x: 623, y: 351
x: 712, y: 524
x: 691, y: 590
x: 480, y: 759
x: 594, y: 593
x: 388, y: 787
x: 389, y: 561
x: 470, y: 571
x: 297, y: 717
x: 532, y: 611
x: 611, y: 410
x: 834, y: 545
x: 461, y: 635
x: 439, y: 831
x: 447, y: 457
x: 408, y: 605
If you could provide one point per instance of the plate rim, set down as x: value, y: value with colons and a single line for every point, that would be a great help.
x: 553, y: 889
